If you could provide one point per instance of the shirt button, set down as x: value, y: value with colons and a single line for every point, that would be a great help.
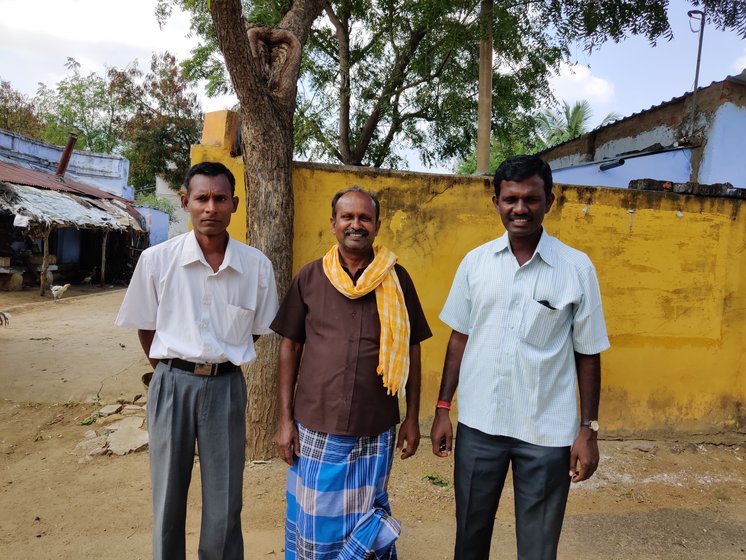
x: 205, y: 324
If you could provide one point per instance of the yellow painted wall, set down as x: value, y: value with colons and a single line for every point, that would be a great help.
x: 671, y: 269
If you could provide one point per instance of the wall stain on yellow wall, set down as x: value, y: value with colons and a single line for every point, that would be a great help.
x: 671, y: 276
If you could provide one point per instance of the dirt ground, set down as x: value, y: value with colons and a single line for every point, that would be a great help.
x: 60, y: 362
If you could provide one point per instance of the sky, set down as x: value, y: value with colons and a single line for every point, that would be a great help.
x: 37, y: 36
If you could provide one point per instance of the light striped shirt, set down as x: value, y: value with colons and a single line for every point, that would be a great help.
x: 518, y: 375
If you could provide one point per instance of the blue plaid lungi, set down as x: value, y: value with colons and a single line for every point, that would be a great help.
x: 337, y: 503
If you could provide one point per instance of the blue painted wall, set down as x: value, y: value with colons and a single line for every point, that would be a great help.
x: 157, y: 223
x: 68, y: 245
x: 723, y: 159
x: 674, y: 166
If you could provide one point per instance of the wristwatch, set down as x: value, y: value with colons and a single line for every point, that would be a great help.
x: 590, y: 424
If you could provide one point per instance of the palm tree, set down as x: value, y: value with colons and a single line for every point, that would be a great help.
x: 560, y: 126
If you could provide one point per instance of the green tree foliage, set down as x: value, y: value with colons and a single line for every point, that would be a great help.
x: 548, y: 128
x: 524, y: 140
x: 162, y: 120
x: 152, y: 200
x: 380, y: 75
x: 81, y: 103
x: 152, y: 117
x: 557, y: 126
x: 18, y: 113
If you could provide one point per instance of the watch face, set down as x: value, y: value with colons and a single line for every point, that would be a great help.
x: 593, y: 425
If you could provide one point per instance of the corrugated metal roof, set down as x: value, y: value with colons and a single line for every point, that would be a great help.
x: 739, y: 79
x: 37, y: 198
x: 20, y: 176
x: 33, y: 206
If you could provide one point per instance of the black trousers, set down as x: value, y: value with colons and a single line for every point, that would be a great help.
x: 540, y: 481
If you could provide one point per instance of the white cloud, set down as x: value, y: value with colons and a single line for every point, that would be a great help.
x: 210, y: 104
x: 739, y: 64
x: 130, y: 22
x: 575, y: 82
x: 37, y: 36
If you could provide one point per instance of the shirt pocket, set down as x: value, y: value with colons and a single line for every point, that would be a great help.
x: 541, y: 324
x: 235, y: 325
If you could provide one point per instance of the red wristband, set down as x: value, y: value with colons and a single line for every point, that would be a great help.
x: 443, y: 404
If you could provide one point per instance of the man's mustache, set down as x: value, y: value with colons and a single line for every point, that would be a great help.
x: 362, y: 232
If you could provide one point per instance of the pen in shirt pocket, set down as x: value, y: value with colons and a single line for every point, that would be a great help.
x: 545, y: 303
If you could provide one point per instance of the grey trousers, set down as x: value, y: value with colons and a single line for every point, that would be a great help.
x: 183, y: 409
x: 540, y: 481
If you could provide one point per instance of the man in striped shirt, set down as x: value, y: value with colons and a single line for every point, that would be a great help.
x: 528, y: 328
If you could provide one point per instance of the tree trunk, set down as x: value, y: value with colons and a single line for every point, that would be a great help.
x: 103, y: 257
x: 267, y: 153
x: 485, y: 88
x: 264, y: 65
x: 44, y: 263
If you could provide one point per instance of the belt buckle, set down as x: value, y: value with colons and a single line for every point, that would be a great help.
x: 204, y: 369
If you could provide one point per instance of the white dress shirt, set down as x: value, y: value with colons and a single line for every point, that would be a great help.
x: 518, y: 375
x: 197, y: 314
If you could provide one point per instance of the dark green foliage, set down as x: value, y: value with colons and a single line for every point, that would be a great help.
x: 152, y: 118
x: 379, y: 76
x: 163, y: 121
x: 152, y: 200
x: 18, y: 113
x: 80, y: 103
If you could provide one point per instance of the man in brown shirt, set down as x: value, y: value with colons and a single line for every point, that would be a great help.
x: 340, y: 369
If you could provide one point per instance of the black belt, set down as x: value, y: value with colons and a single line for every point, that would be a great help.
x: 209, y: 370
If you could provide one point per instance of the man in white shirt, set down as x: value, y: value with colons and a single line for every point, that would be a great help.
x: 528, y: 328
x: 199, y: 302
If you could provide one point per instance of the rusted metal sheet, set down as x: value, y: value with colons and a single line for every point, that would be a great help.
x: 38, y: 199
x: 39, y: 207
x: 14, y: 174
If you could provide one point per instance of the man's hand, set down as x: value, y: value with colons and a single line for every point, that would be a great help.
x: 287, y: 441
x: 409, y: 437
x: 584, y: 456
x: 146, y: 341
x: 441, y: 433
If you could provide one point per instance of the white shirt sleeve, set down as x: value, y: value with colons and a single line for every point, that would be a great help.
x: 589, y: 327
x: 267, y: 304
x: 456, y: 312
x: 140, y: 306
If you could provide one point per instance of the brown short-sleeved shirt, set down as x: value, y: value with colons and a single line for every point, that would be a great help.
x: 338, y: 390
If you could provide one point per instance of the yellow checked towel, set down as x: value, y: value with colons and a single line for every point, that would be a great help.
x: 393, y: 354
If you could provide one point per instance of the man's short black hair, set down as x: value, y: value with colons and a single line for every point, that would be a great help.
x: 520, y: 168
x: 355, y: 188
x: 211, y: 169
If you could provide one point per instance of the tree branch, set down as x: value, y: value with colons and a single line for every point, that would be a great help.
x: 300, y: 18
x: 229, y: 24
x: 321, y: 137
x: 429, y: 77
x: 343, y: 42
x: 384, y: 100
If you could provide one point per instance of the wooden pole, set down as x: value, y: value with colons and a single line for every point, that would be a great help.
x: 484, y: 132
x: 44, y: 263
x: 103, y: 257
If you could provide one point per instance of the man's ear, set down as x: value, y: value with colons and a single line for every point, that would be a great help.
x: 235, y: 205
x: 184, y: 201
x: 550, y: 201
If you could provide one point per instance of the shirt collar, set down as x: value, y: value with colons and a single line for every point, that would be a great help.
x: 545, y: 248
x: 192, y: 252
